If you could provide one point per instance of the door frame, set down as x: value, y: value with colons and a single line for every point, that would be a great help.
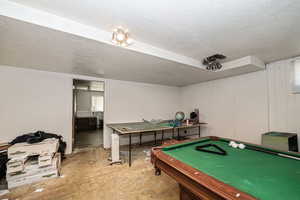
x: 87, y: 78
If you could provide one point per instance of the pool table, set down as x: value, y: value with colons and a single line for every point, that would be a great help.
x: 240, y: 174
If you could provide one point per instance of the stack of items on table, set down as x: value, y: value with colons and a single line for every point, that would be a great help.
x: 34, y: 162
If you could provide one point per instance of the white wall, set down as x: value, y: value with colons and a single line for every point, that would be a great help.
x: 235, y: 107
x: 84, y: 103
x: 131, y: 102
x: 241, y: 107
x: 33, y: 100
x: 244, y: 107
x: 284, y: 105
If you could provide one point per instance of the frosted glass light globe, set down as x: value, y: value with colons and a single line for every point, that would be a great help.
x: 120, y: 36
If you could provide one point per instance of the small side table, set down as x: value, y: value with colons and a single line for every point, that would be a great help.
x: 280, y: 141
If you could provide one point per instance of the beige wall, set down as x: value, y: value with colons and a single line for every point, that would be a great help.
x: 244, y: 107
x: 84, y: 102
x: 33, y: 100
x: 131, y: 102
x: 284, y: 105
x: 241, y: 107
x: 235, y: 107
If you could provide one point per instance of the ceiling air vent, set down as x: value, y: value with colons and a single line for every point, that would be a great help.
x: 212, y: 62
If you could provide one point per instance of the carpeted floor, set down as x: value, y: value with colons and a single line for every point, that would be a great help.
x: 87, y: 175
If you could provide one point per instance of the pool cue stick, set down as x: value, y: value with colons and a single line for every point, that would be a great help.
x: 155, y: 148
x: 274, y: 153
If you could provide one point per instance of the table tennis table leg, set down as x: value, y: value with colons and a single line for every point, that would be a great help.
x: 154, y: 137
x: 162, y: 136
x: 130, y: 150
x: 199, y: 131
x: 140, y: 139
x: 178, y: 136
x: 173, y: 131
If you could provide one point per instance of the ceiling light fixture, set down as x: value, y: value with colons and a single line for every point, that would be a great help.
x: 121, y: 37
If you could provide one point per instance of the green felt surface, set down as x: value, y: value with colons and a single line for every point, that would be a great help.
x: 261, y: 175
x: 140, y: 126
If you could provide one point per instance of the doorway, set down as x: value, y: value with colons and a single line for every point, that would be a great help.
x: 88, y: 113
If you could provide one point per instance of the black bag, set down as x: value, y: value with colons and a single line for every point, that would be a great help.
x: 3, y: 161
x: 40, y: 136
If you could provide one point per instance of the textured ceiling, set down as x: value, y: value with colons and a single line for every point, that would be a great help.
x: 268, y: 29
x: 32, y: 46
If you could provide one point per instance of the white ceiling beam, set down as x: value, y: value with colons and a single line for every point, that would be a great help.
x: 41, y: 18
x: 252, y: 61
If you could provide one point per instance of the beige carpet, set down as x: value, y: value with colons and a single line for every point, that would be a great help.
x: 87, y: 175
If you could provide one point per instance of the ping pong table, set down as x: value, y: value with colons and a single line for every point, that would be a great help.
x: 139, y: 128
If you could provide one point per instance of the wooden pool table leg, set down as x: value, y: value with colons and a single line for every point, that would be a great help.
x: 157, y: 171
x: 185, y: 194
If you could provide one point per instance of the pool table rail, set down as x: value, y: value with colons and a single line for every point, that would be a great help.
x: 192, y: 180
